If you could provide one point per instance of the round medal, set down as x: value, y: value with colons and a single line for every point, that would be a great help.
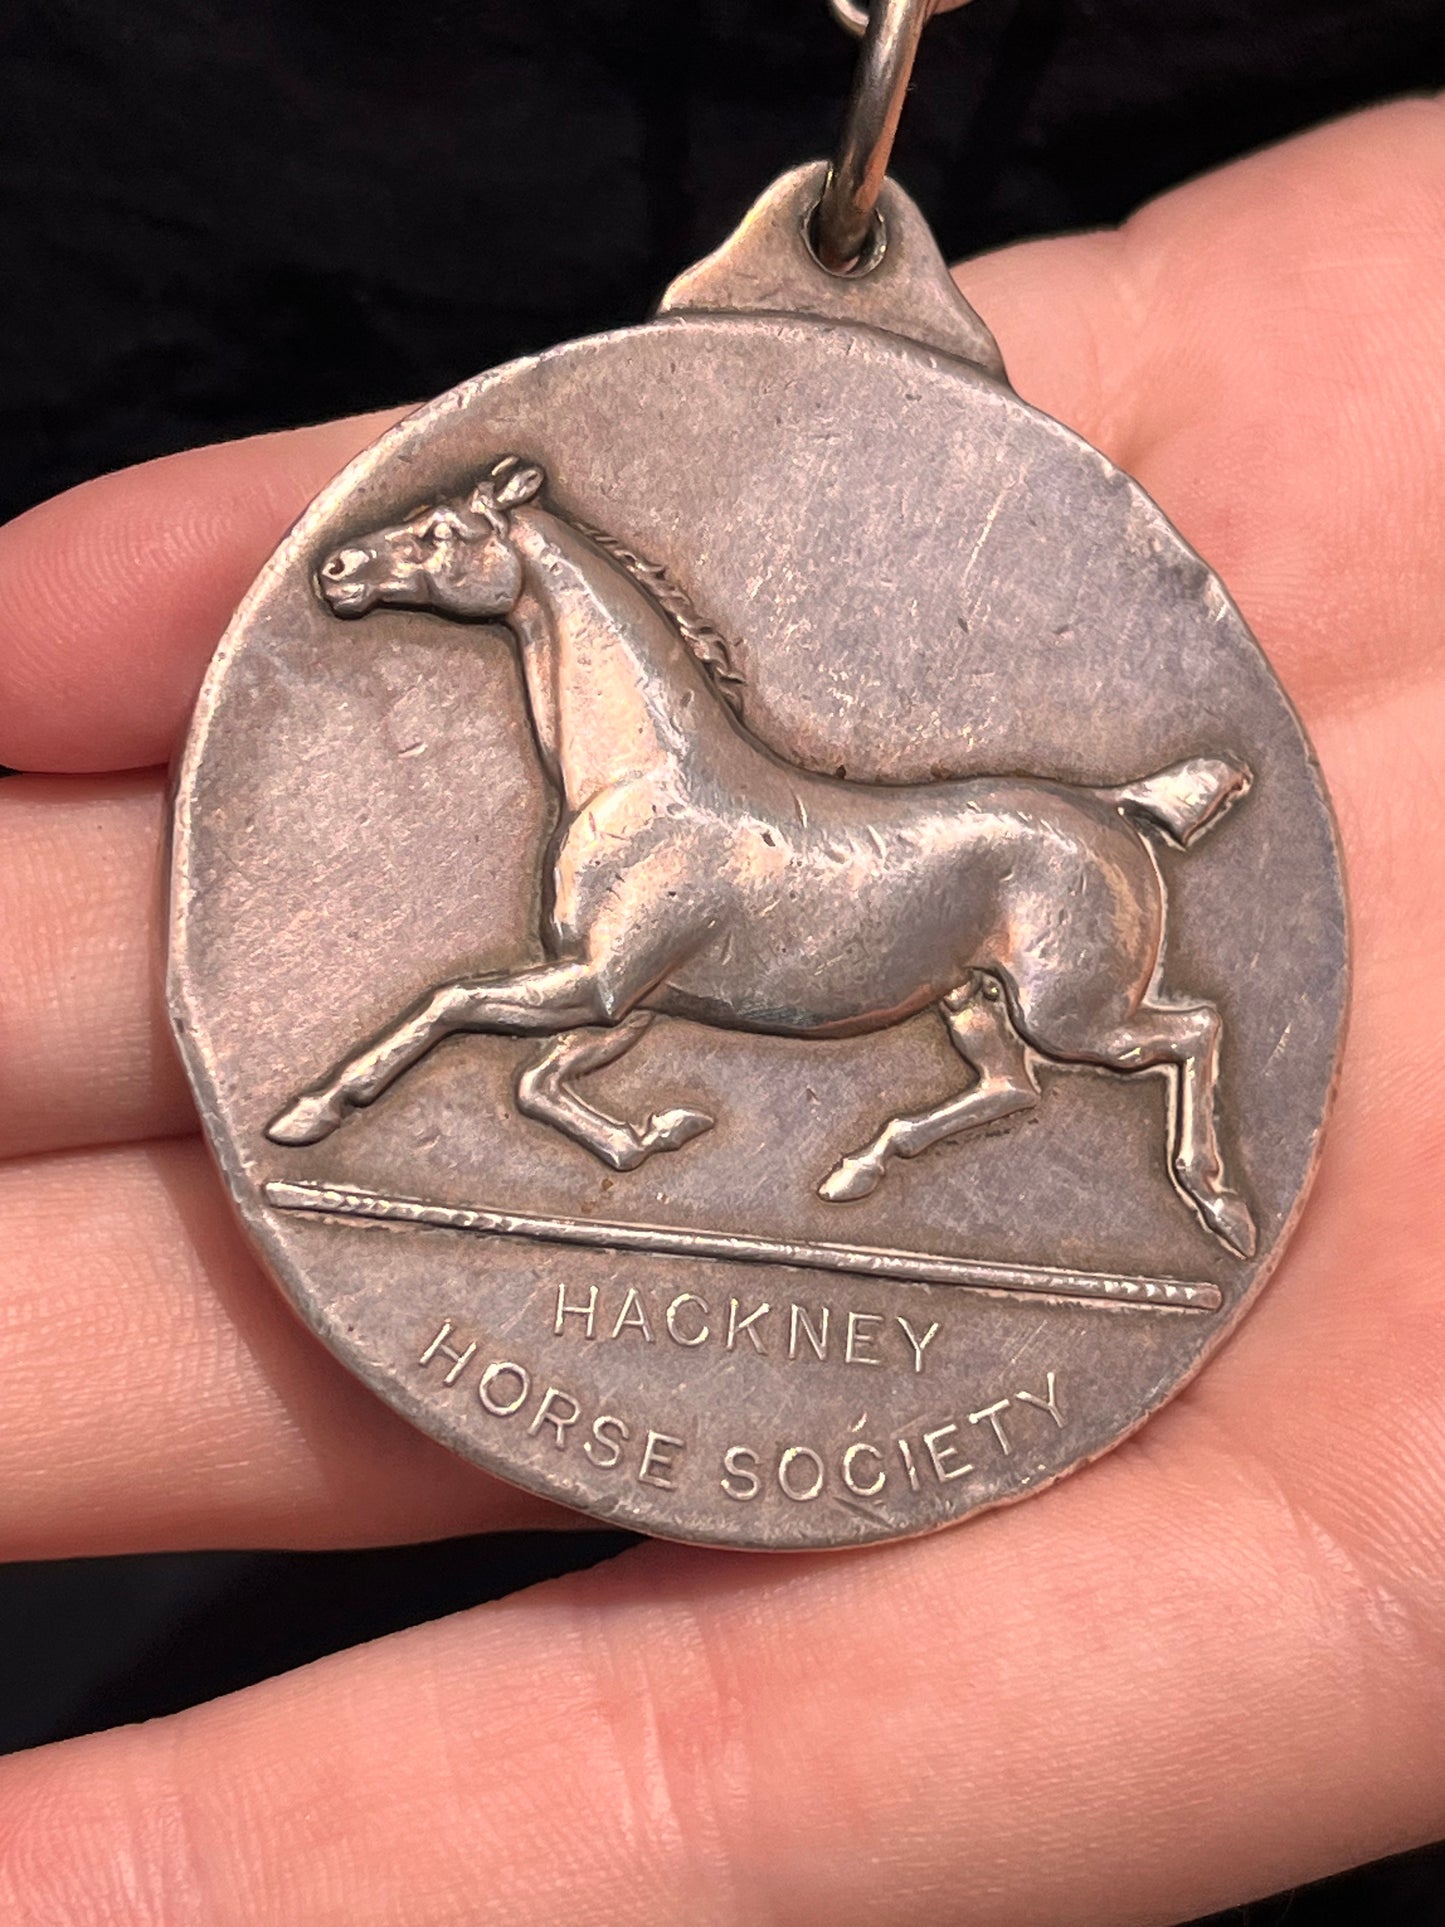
x: 760, y: 949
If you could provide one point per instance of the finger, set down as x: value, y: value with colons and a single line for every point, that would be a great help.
x: 85, y: 1054
x: 1335, y: 1385
x: 1211, y: 1666
x: 1277, y: 312
x: 158, y: 1393
x: 1261, y: 348
x: 1159, y: 1693
x: 1216, y: 345
x: 209, y: 1417
x: 1194, y: 1673
x: 1208, y: 1667
x: 114, y: 595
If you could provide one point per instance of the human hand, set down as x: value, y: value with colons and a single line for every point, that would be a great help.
x: 1211, y: 1665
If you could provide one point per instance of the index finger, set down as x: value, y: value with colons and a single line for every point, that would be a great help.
x: 1259, y: 348
x: 113, y: 595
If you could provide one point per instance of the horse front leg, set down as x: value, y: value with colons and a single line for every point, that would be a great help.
x: 539, y: 1001
x: 544, y: 1092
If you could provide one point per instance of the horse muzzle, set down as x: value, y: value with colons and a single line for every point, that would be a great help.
x: 347, y: 582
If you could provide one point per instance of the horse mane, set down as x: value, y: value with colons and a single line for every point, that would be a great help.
x: 706, y: 643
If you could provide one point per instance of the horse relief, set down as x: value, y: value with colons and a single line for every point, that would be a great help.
x: 696, y: 874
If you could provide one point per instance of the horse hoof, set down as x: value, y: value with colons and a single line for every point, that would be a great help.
x: 670, y: 1130
x: 310, y: 1119
x: 854, y: 1178
x: 1229, y: 1218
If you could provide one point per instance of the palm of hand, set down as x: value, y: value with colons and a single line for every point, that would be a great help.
x: 1212, y: 1664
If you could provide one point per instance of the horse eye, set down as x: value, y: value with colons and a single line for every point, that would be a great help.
x: 440, y: 532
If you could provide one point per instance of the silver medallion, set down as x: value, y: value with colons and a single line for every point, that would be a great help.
x: 761, y: 951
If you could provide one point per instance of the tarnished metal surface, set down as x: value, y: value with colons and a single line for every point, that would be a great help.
x: 759, y: 946
x: 767, y: 267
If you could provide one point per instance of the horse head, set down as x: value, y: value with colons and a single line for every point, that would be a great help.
x: 457, y: 558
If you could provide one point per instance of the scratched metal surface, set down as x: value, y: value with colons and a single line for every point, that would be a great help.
x: 921, y: 579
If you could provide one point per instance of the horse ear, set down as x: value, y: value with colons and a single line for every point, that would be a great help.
x: 520, y: 482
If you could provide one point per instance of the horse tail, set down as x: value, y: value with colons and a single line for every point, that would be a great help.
x: 1185, y: 800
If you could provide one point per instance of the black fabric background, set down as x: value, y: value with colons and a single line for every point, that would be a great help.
x: 216, y: 219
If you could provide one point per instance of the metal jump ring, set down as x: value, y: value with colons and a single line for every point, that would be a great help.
x: 853, y: 14
x: 846, y: 224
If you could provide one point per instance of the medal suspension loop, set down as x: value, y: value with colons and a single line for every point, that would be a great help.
x: 848, y: 235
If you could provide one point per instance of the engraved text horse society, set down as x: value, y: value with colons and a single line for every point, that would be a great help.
x: 697, y: 874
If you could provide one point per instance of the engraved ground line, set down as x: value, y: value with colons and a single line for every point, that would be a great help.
x: 909, y: 1267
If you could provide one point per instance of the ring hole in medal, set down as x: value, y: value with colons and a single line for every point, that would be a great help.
x: 862, y: 264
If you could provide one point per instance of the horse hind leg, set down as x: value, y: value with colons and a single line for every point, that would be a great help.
x: 1198, y: 1164
x: 982, y: 1033
x: 1185, y: 1040
x: 544, y: 1092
